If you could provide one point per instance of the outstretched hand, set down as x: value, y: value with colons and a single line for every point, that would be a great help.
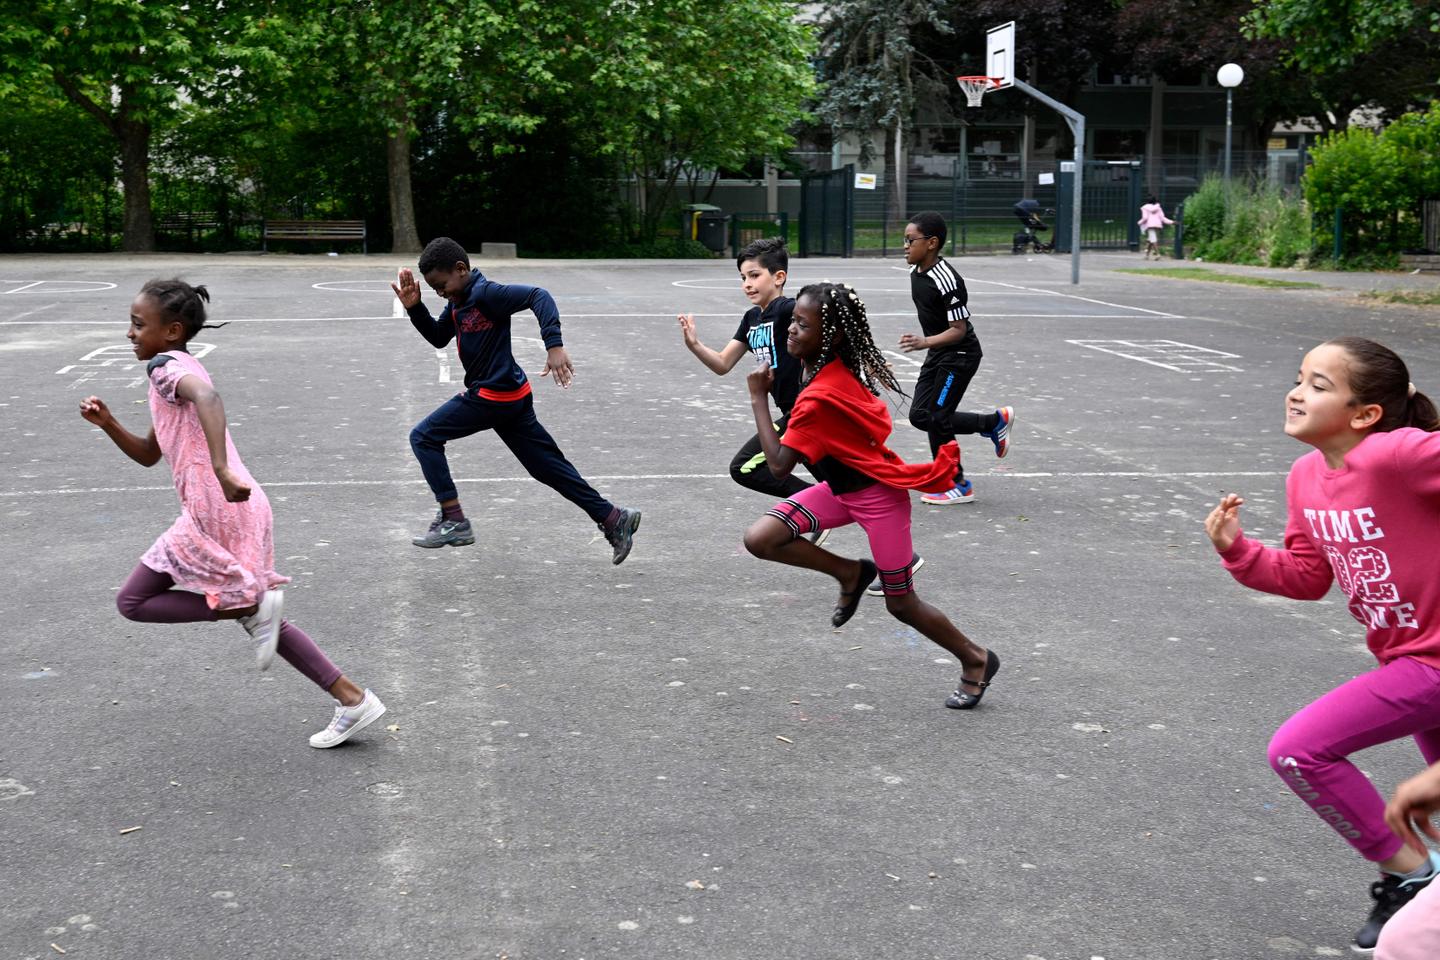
x: 687, y: 328
x: 558, y: 365
x: 1414, y: 801
x: 94, y: 410
x: 760, y: 379
x: 1223, y: 524
x: 406, y: 287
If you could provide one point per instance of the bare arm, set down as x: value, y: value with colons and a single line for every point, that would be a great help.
x: 211, y: 411
x: 143, y: 450
x: 781, y: 459
x: 720, y: 361
x: 956, y: 332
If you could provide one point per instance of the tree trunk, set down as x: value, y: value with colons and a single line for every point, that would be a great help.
x: 138, y: 233
x: 404, y: 235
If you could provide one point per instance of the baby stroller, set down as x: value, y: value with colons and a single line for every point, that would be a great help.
x: 1028, y: 212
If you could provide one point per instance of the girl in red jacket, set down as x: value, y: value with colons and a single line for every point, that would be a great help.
x: 838, y: 428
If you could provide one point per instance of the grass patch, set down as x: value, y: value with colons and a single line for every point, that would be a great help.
x: 1214, y: 276
x: 1417, y: 298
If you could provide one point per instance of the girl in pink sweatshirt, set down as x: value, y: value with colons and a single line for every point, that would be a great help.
x: 1364, y: 506
x: 1152, y: 221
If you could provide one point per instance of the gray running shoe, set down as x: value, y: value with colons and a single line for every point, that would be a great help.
x: 446, y: 533
x: 622, y: 535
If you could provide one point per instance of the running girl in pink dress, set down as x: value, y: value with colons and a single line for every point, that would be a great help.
x: 838, y: 427
x: 219, y: 552
x: 1364, y: 506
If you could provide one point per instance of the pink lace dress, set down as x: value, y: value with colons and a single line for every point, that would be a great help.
x: 221, y: 549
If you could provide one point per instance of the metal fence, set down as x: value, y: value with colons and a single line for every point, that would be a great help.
x: 978, y: 203
x: 827, y: 213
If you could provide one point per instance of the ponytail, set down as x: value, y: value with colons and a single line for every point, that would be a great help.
x: 1377, y: 375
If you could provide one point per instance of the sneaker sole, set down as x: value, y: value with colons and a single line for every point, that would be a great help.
x: 947, y: 503
x: 355, y: 728
x: 463, y: 542
x: 821, y: 537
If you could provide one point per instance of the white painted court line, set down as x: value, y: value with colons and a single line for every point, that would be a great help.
x: 1169, y: 354
x: 418, y: 481
x: 1074, y: 296
x: 59, y: 286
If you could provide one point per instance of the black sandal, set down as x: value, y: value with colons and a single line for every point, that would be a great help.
x: 960, y: 700
x: 843, y: 612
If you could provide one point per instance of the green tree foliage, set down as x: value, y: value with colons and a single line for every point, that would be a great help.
x: 876, y: 72
x: 488, y: 63
x: 1376, y: 179
x: 1356, y: 52
x: 667, y: 88
x: 1254, y: 223
x: 133, y: 67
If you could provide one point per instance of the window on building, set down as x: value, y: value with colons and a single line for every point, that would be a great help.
x: 1119, y: 145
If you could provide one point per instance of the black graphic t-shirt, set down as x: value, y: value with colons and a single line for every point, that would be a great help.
x: 763, y: 333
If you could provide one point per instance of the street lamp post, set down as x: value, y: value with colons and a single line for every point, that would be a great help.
x: 1229, y: 76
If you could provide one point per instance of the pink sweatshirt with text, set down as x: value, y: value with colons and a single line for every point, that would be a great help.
x: 1373, y: 526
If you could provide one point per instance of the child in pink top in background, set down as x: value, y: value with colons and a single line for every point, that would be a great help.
x: 1152, y: 221
x: 1364, y: 507
x: 219, y: 552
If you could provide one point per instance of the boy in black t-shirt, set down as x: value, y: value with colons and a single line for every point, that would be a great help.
x: 954, y: 353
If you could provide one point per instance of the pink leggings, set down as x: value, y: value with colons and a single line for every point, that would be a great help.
x: 149, y: 597
x: 1310, y: 750
x: 882, y: 512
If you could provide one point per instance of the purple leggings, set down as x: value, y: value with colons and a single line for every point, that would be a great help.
x: 149, y: 597
x: 1310, y: 750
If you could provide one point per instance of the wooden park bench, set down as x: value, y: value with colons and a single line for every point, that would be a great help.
x: 350, y: 230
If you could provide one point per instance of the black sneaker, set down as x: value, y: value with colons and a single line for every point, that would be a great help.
x: 622, y: 535
x: 1390, y: 893
x: 446, y: 533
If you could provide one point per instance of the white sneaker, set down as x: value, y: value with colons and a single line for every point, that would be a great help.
x: 264, y: 626
x: 348, y: 721
x: 818, y: 537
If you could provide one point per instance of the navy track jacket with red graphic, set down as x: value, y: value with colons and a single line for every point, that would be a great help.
x: 480, y: 328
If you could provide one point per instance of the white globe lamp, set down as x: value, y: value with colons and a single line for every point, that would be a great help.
x: 1230, y: 76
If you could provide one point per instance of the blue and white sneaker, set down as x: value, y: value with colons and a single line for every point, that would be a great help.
x: 1000, y: 436
x: 349, y: 721
x: 965, y: 493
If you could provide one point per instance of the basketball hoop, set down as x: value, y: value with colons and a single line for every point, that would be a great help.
x: 976, y: 87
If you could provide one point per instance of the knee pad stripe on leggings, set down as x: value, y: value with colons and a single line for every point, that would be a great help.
x: 897, y: 583
x: 793, y: 515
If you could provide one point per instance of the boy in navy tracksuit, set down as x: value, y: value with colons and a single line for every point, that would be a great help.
x: 497, y: 394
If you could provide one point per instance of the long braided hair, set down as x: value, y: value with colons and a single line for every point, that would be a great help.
x: 843, y: 312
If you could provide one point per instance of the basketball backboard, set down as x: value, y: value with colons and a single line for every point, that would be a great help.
x: 1000, y: 54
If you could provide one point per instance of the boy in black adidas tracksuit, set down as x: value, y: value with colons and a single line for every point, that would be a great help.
x: 497, y: 394
x: 954, y: 353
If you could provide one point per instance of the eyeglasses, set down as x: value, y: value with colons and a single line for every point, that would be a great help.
x: 910, y: 240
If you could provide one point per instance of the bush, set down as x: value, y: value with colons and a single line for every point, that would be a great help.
x: 1256, y: 224
x: 1376, y: 181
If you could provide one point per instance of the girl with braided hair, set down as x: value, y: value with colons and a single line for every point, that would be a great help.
x: 216, y: 562
x: 838, y: 427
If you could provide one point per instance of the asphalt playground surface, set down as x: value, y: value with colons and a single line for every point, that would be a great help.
x: 676, y: 757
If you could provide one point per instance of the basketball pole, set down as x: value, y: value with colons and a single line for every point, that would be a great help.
x: 1076, y: 121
